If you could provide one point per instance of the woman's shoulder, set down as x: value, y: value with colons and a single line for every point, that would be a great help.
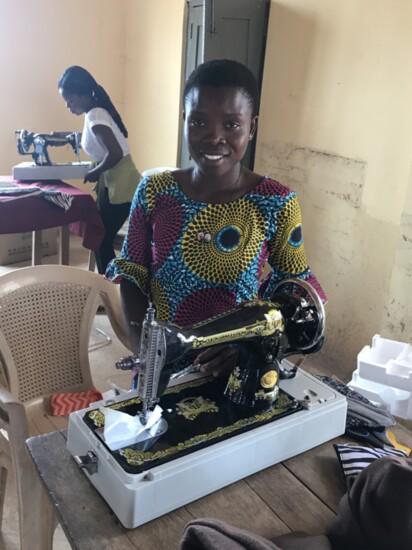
x: 98, y: 114
x: 157, y: 182
x: 152, y: 187
x: 269, y: 186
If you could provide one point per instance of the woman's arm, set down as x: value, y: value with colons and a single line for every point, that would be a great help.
x: 134, y: 306
x: 287, y: 255
x: 217, y: 360
x: 114, y: 153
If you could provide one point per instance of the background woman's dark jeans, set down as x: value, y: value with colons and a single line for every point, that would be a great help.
x: 113, y: 216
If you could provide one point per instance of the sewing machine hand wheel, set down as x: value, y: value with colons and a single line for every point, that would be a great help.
x: 306, y: 325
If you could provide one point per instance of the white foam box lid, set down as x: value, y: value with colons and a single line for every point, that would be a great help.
x: 387, y: 362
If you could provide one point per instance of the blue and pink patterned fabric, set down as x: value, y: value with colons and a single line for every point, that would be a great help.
x: 196, y: 260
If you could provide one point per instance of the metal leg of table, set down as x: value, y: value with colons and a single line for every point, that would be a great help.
x: 64, y: 245
x: 64, y: 238
x: 92, y: 261
x: 36, y: 247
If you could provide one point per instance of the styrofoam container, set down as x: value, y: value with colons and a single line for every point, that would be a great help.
x: 387, y: 362
x: 397, y: 402
x: 384, y: 375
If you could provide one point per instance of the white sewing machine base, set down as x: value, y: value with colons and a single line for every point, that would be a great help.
x: 29, y: 171
x: 139, y: 498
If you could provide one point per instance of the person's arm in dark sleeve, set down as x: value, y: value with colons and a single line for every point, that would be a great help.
x: 134, y: 306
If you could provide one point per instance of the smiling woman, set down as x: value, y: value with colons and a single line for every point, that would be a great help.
x: 199, y: 238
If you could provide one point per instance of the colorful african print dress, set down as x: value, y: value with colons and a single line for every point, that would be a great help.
x: 195, y: 260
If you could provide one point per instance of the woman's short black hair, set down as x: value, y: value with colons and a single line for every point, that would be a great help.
x: 224, y: 72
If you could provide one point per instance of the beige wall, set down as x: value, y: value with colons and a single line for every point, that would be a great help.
x: 132, y: 47
x: 336, y: 125
x: 153, y: 68
x: 39, y: 40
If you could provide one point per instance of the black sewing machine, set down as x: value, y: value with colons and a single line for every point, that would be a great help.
x: 212, y: 431
x: 36, y: 145
x: 263, y: 332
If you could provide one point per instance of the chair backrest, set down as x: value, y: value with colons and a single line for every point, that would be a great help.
x: 46, y: 316
x: 157, y: 170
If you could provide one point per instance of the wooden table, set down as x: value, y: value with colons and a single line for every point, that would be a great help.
x: 301, y: 493
x: 35, y: 214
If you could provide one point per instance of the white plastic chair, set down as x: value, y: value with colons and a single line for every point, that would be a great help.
x: 46, y: 315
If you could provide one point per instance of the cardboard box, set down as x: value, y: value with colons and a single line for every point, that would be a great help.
x: 17, y: 247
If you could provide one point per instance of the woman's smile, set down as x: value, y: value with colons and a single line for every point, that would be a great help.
x: 214, y: 157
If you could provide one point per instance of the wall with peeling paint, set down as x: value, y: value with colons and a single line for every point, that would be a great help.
x: 336, y: 126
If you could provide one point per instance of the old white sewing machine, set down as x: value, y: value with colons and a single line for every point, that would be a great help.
x: 212, y: 432
x: 36, y: 145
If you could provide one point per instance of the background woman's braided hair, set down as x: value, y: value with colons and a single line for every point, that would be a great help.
x: 78, y: 81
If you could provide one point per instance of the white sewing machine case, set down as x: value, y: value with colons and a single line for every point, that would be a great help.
x: 29, y: 171
x: 140, y: 485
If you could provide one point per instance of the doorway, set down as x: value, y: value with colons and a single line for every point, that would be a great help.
x: 226, y: 29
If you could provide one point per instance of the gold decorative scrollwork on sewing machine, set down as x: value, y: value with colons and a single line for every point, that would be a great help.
x: 264, y: 332
x: 273, y: 321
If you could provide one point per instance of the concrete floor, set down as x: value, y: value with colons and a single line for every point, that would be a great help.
x: 103, y: 356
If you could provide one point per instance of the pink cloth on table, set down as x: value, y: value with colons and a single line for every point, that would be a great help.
x: 34, y: 213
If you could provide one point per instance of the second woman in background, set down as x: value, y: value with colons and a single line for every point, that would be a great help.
x: 104, y: 139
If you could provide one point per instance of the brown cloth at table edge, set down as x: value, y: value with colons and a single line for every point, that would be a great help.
x: 375, y: 514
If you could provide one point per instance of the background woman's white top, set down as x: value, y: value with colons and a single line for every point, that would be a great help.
x: 90, y: 144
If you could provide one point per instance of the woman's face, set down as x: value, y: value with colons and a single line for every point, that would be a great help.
x: 218, y: 126
x: 77, y: 104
